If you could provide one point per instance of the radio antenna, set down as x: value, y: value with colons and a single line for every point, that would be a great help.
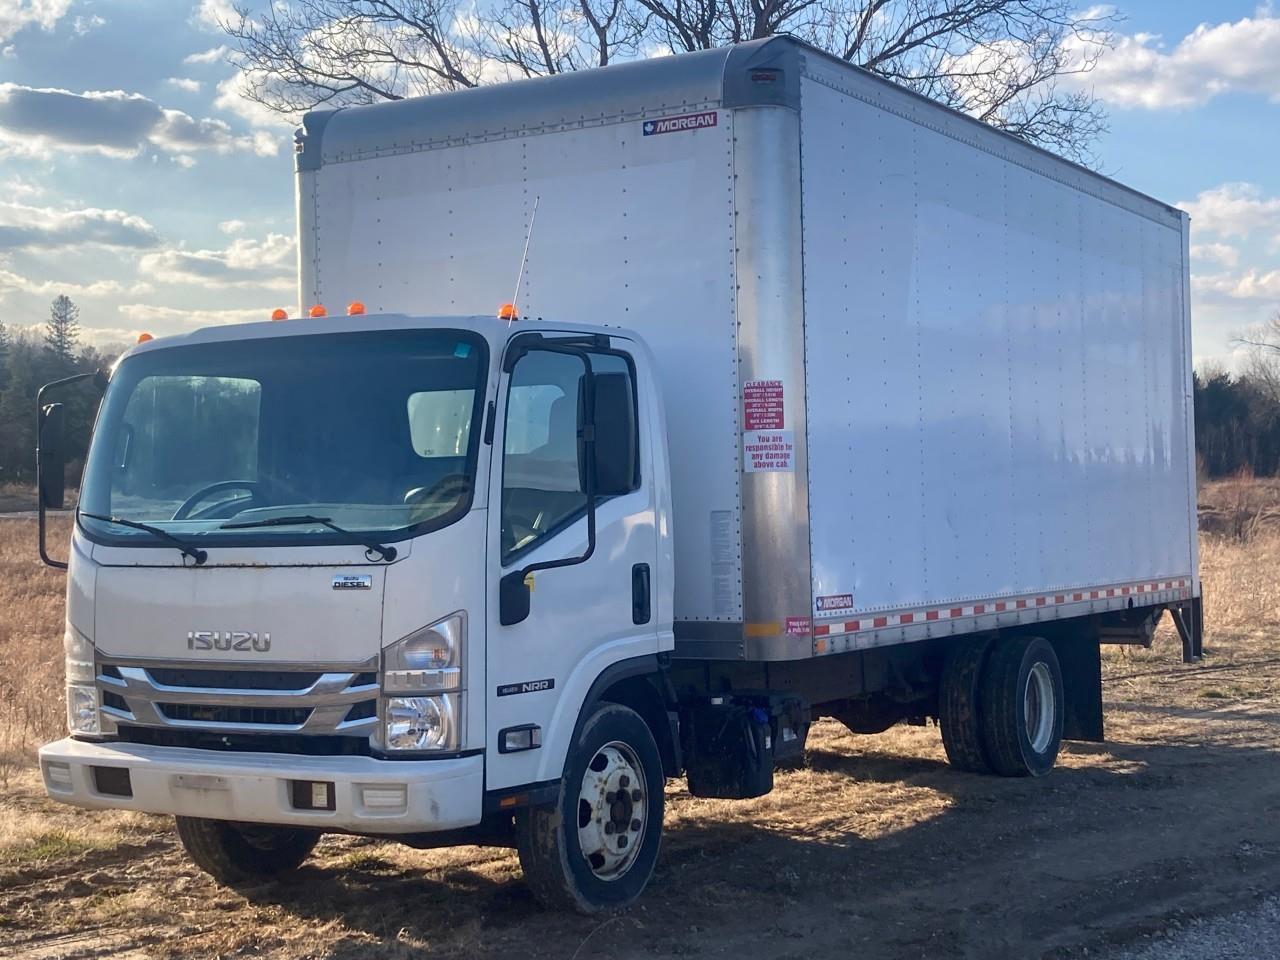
x: 515, y: 300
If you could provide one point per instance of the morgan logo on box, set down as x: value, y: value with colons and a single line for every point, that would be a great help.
x: 690, y: 121
x: 840, y: 601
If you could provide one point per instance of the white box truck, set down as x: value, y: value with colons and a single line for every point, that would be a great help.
x: 818, y: 399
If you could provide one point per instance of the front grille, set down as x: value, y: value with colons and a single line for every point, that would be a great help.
x: 320, y: 705
x: 294, y: 743
x: 234, y: 679
x: 210, y: 713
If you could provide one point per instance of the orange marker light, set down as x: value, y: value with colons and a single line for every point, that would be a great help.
x: 279, y: 314
x: 318, y: 311
x: 144, y: 337
x: 355, y: 309
x: 507, y: 312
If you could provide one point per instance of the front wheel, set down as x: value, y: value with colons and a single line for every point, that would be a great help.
x: 596, y: 847
x: 237, y: 852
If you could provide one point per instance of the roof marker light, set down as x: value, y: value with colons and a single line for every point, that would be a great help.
x: 144, y: 337
x: 355, y: 309
x: 318, y: 311
x: 508, y: 312
x: 279, y: 314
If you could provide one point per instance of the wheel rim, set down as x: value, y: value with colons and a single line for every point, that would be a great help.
x: 612, y: 810
x: 1039, y: 707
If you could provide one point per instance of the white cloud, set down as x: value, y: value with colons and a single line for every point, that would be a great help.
x: 232, y: 226
x: 170, y: 318
x: 211, y: 14
x: 1140, y: 71
x: 215, y: 55
x: 1233, y: 210
x: 17, y: 15
x: 16, y: 188
x: 184, y: 161
x: 33, y: 121
x: 1220, y: 253
x: 11, y: 282
x: 184, y: 83
x: 82, y: 25
x: 266, y: 264
x: 1253, y: 284
x: 45, y: 228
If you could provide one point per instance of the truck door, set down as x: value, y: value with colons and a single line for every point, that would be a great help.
x: 583, y: 616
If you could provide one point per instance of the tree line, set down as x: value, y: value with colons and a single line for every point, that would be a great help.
x: 29, y: 359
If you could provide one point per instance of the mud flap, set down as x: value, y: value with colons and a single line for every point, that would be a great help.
x: 1081, y: 661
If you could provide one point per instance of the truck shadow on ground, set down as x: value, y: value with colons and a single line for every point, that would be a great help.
x: 847, y: 841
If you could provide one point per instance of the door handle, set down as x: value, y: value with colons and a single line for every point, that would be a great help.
x: 640, y: 606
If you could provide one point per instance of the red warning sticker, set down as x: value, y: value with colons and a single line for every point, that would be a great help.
x: 799, y: 626
x: 762, y: 405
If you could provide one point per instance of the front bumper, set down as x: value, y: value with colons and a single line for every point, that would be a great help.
x: 369, y: 796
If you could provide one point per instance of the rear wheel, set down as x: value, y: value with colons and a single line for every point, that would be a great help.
x: 958, y: 713
x: 596, y: 847
x: 237, y: 852
x: 1022, y: 707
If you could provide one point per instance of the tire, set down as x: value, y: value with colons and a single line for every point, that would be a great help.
x: 1022, y: 707
x: 235, y: 853
x: 612, y: 752
x: 958, y: 708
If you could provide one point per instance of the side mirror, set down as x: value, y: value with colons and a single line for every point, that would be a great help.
x: 615, y: 435
x: 51, y: 457
x: 513, y: 599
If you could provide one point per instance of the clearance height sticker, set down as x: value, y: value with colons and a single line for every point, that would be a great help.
x: 766, y: 446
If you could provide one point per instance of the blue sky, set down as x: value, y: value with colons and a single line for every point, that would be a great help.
x: 159, y: 199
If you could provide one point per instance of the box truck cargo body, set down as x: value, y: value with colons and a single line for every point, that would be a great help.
x: 915, y: 365
x: 814, y: 399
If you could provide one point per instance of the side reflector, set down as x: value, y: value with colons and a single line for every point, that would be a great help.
x: 318, y: 311
x: 515, y: 739
x: 355, y: 309
x: 144, y: 337
x: 507, y: 312
x: 279, y: 314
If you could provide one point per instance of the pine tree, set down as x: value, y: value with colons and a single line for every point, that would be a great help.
x: 62, y: 331
x: 4, y: 355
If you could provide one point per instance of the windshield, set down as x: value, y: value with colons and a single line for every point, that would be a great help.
x: 375, y: 432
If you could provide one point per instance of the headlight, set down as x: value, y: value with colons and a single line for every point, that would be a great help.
x: 428, y: 660
x: 421, y: 723
x: 79, y: 656
x: 82, y: 709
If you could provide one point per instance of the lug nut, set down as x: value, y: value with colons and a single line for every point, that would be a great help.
x: 624, y: 781
x: 635, y: 825
x: 636, y: 795
x: 610, y: 797
x: 608, y: 828
x: 622, y: 843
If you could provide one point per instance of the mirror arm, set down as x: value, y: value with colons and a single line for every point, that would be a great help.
x: 100, y: 379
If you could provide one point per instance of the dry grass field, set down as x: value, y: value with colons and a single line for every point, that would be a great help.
x: 874, y: 848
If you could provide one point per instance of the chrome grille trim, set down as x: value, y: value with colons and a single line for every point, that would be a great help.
x: 328, y: 699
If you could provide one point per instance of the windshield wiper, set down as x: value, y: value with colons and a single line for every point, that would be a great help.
x: 385, y: 552
x: 195, y: 553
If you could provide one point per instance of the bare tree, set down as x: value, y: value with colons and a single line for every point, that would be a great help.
x: 1262, y: 367
x: 1002, y: 61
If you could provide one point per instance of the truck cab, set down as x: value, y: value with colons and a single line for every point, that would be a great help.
x: 365, y: 574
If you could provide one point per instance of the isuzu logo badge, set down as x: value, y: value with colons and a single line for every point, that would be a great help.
x: 228, y: 640
x: 360, y: 581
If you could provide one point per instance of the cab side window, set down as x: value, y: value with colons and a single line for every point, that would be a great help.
x: 542, y: 476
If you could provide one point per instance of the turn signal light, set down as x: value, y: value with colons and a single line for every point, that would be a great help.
x: 318, y: 311
x: 279, y: 314
x: 507, y: 312
x: 355, y: 309
x: 144, y: 337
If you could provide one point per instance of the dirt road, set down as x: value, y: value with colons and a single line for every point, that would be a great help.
x: 876, y: 849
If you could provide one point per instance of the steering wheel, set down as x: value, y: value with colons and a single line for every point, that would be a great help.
x: 188, y: 512
x: 455, y: 484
